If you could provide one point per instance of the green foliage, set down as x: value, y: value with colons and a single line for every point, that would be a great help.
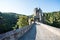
x: 22, y: 21
x: 12, y: 21
x: 31, y: 19
x: 53, y: 18
x: 7, y: 21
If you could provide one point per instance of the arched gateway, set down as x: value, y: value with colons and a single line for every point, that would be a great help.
x: 38, y: 15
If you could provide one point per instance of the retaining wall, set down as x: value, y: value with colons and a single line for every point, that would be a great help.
x: 15, y: 34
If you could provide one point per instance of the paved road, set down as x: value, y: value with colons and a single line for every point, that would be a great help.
x: 40, y: 32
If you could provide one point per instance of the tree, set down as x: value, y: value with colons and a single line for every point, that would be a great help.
x: 53, y: 18
x: 22, y: 21
x: 7, y: 22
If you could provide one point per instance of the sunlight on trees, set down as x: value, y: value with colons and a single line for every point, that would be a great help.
x: 22, y: 21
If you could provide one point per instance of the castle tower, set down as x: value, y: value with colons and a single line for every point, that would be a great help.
x: 38, y: 15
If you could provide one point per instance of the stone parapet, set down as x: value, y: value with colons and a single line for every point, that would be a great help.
x: 15, y: 34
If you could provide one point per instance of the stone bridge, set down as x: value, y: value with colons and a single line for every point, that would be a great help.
x: 36, y: 31
x: 41, y: 31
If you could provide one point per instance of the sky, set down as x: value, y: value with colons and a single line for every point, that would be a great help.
x: 27, y: 6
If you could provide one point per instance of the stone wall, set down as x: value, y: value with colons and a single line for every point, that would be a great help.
x: 15, y: 34
x: 38, y: 15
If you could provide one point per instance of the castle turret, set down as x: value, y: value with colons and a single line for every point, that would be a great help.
x: 38, y: 15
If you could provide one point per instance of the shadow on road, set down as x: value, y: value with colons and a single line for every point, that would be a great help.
x: 31, y: 34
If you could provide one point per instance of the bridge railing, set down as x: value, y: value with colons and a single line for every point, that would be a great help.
x: 15, y: 34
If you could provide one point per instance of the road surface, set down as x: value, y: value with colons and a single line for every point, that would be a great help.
x: 41, y: 32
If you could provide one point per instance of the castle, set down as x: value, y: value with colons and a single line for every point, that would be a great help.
x: 38, y: 15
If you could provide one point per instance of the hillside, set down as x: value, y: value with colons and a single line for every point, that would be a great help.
x: 52, y: 18
x: 8, y: 21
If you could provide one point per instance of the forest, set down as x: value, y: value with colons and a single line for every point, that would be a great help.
x: 52, y: 18
x: 12, y: 21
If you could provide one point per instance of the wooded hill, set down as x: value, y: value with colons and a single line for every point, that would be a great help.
x: 12, y: 21
x: 52, y: 18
